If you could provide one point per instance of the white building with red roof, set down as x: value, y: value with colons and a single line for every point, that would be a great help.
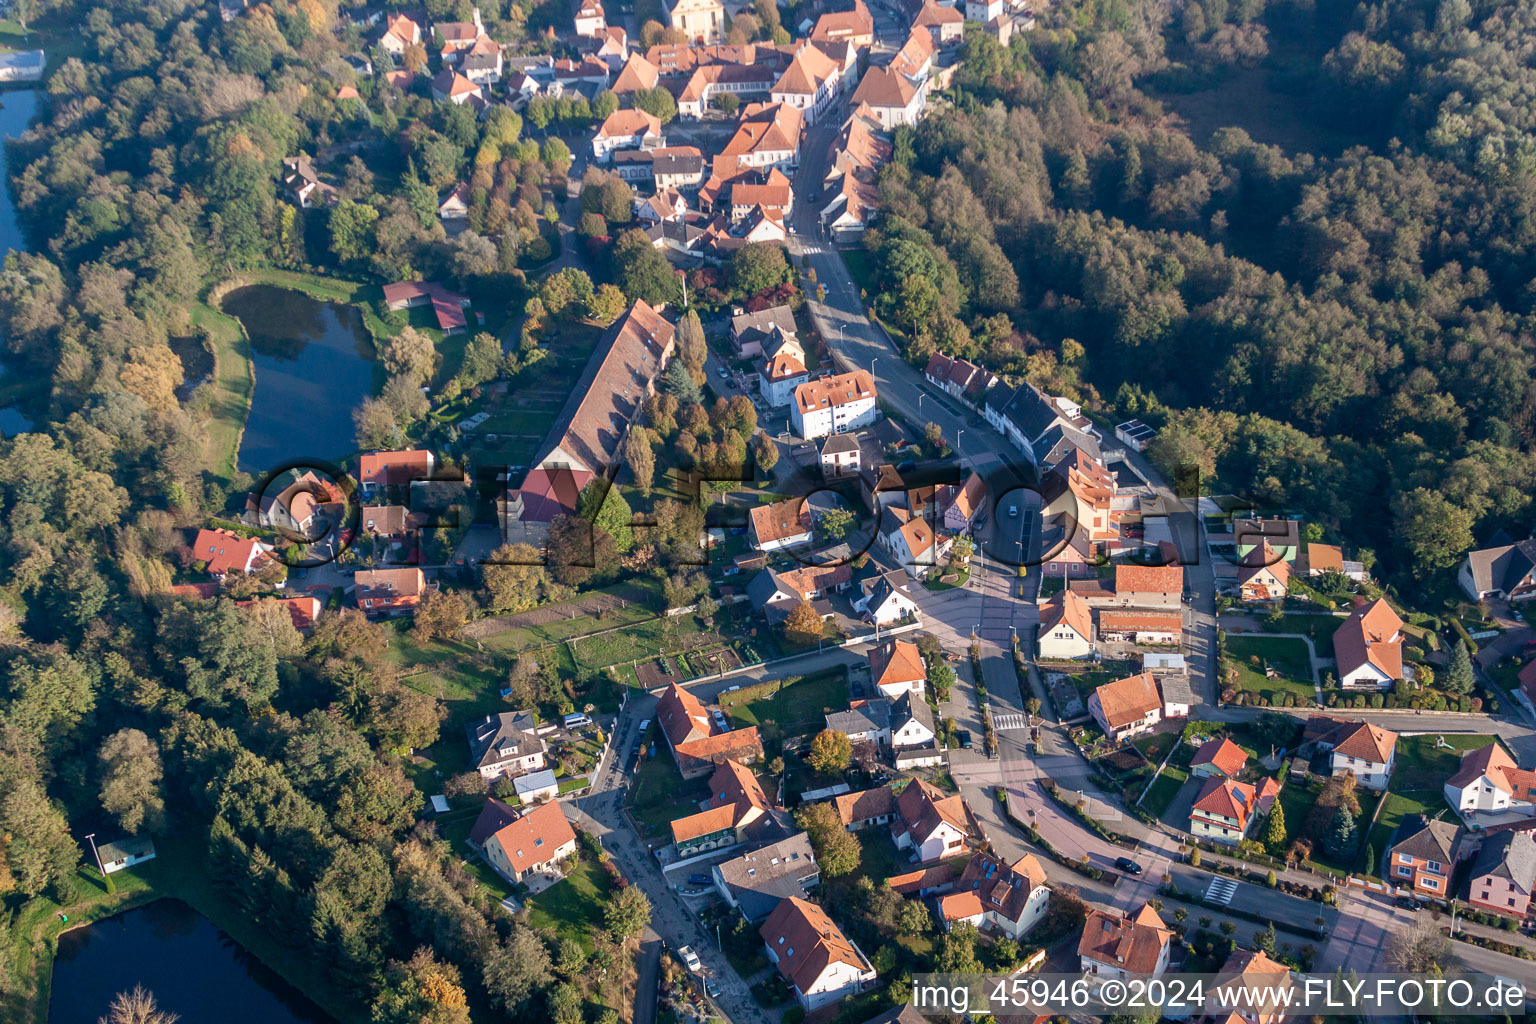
x: 834, y: 405
x: 896, y: 667
x: 225, y: 552
x: 995, y: 896
x: 1066, y: 627
x: 1225, y: 809
x: 519, y: 844
x: 1368, y: 647
x: 627, y: 129
x: 1490, y: 782
x: 1115, y: 944
x: 820, y: 964
x: 393, y: 469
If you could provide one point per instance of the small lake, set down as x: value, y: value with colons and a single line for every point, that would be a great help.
x: 314, y: 365
x: 16, y: 110
x: 192, y: 968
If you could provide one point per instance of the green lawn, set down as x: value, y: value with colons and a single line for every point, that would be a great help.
x: 573, y: 908
x: 1397, y: 808
x: 233, y: 384
x: 1285, y: 655
x: 1160, y: 797
x: 795, y: 705
x: 659, y: 795
x: 1319, y: 627
x: 1421, y: 767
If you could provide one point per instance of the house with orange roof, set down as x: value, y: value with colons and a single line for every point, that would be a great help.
x: 392, y: 469
x: 1066, y: 627
x: 1138, y: 627
x: 809, y: 83
x: 1225, y: 809
x: 819, y: 963
x: 627, y: 129
x: 347, y: 92
x: 915, y: 58
x: 697, y: 744
x: 590, y: 18
x: 1491, y: 782
x: 400, y: 32
x: 780, y: 375
x: 896, y: 667
x: 1116, y: 944
x: 1149, y: 586
x: 774, y: 195
x: 736, y: 804
x: 945, y: 24
x: 519, y: 844
x: 1262, y: 983
x: 855, y: 27
x: 853, y: 205
x: 834, y: 405
x: 225, y: 552
x: 636, y: 74
x: 996, y: 896
x: 767, y: 135
x: 781, y: 525
x: 915, y: 545
x: 965, y: 503
x: 1361, y: 749
x: 458, y: 36
x: 447, y: 307
x: 388, y: 591
x: 931, y: 824
x: 1080, y: 488
x: 749, y: 82
x: 1263, y: 575
x: 303, y: 611
x: 866, y: 808
x: 1368, y: 647
x: 1219, y: 758
x: 482, y: 63
x: 448, y: 86
x: 1127, y: 707
x: 891, y: 98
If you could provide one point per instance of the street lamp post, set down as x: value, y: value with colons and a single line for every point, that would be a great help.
x: 97, y: 854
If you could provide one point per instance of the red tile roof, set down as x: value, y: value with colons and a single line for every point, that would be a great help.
x: 1133, y: 944
x: 1128, y: 700
x: 394, y: 467
x: 226, y: 552
x: 781, y: 520
x: 1223, y: 754
x: 535, y: 836
x: 1367, y: 637
x: 1070, y: 608
x: 1149, y: 579
x: 806, y: 942
x: 865, y: 805
x: 896, y: 663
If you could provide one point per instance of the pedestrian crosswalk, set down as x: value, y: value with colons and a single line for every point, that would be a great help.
x: 1001, y: 722
x: 811, y: 249
x: 1221, y: 890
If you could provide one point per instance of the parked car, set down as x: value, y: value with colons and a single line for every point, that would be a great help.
x: 721, y: 371
x: 1127, y: 865
x: 711, y: 989
x: 964, y: 736
x: 1408, y: 903
x: 690, y: 958
x: 698, y: 879
x: 1013, y: 511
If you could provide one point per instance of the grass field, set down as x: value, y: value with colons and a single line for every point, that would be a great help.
x: 1423, y: 767
x: 573, y: 907
x: 1285, y: 655
x: 1397, y: 808
x: 234, y: 382
x: 1162, y: 792
x: 660, y: 795
x: 1319, y: 627
x: 793, y: 706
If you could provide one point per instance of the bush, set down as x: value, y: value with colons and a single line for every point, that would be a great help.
x: 794, y: 1015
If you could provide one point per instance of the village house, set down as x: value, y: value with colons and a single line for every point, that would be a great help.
x: 764, y: 332
x: 995, y: 896
x: 1250, y: 534
x: 1028, y: 418
x: 505, y: 744
x: 585, y: 440
x: 1505, y: 570
x: 400, y: 32
x: 736, y: 805
x: 896, y: 667
x: 590, y: 19
x: 697, y: 745
x: 1321, y: 559
x: 756, y: 881
x: 866, y: 808
x: 1126, y: 707
x: 1263, y: 575
x: 1118, y: 945
x: 1368, y: 647
x: 841, y: 455
x: 455, y: 206
x: 224, y: 552
x: 865, y: 721
x: 1149, y: 586
x: 945, y: 24
x: 518, y: 845
x: 912, y: 724
x: 855, y: 27
x: 1425, y: 858
x: 781, y: 525
x: 1489, y: 781
x: 627, y: 129
x: 891, y: 98
x: 1503, y: 874
x: 809, y: 83
x: 767, y: 138
x: 1218, y: 759
x: 1263, y: 983
x: 448, y: 307
x: 930, y: 824
x: 458, y: 36
x: 1066, y: 627
x: 388, y: 591
x: 448, y: 86
x: 884, y: 599
x: 819, y: 963
x: 1141, y: 628
x: 666, y: 204
x: 1359, y: 748
x: 914, y: 544
x: 482, y: 63
x: 966, y: 504
x: 774, y: 592
x: 834, y: 405
x: 701, y: 21
x: 304, y: 185
x: 1225, y: 809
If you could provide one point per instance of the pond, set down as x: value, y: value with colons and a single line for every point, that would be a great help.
x: 16, y: 110
x: 314, y: 365
x: 190, y: 966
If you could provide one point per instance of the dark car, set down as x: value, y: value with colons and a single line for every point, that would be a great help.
x: 1127, y: 865
x: 964, y: 736
x: 910, y: 464
x: 698, y: 879
x: 1408, y: 903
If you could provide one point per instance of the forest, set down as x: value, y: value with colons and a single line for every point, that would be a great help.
x: 1345, y: 336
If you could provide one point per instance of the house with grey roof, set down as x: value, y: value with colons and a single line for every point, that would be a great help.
x: 1505, y: 570
x: 1504, y: 874
x: 755, y: 881
x: 865, y: 721
x: 911, y: 722
x: 505, y: 744
x: 1424, y: 856
x: 1026, y: 415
